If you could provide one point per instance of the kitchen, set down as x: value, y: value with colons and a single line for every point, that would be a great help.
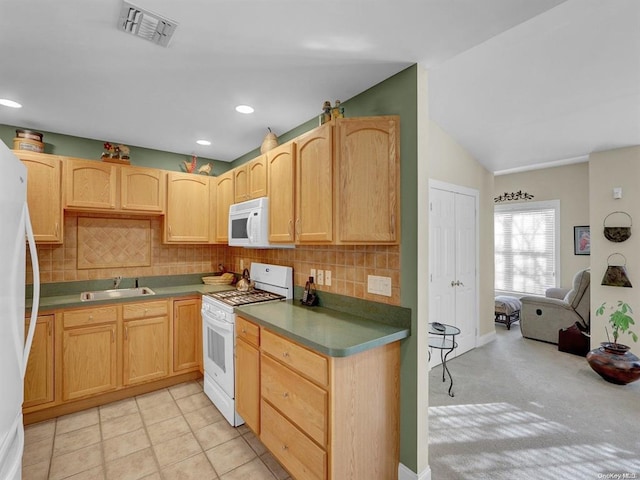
x: 349, y: 264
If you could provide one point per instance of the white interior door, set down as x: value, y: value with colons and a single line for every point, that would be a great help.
x: 452, y: 264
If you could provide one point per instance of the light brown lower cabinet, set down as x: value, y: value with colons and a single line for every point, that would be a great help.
x: 324, y: 418
x: 187, y: 335
x: 89, y: 361
x: 146, y: 342
x: 84, y: 357
x: 38, y: 380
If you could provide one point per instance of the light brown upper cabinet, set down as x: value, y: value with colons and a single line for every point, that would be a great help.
x: 281, y: 181
x: 142, y: 189
x: 314, y: 186
x: 44, y: 195
x: 250, y: 180
x: 188, y: 209
x: 98, y: 186
x: 367, y: 192
x: 90, y: 185
x: 224, y: 199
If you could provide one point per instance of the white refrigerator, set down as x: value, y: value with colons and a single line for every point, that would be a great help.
x: 14, y: 348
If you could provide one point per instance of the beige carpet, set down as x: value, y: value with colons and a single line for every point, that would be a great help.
x: 524, y: 410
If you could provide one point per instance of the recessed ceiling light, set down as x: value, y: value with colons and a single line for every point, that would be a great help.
x: 203, y: 142
x: 244, y: 109
x: 9, y: 103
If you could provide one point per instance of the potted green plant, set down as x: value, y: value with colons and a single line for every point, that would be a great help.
x: 612, y: 360
x: 620, y: 320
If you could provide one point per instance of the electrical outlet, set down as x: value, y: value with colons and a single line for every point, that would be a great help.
x: 379, y: 285
x: 241, y: 265
x: 320, y: 279
x: 327, y: 278
x: 312, y: 273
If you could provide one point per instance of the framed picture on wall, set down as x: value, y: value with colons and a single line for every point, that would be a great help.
x: 581, y: 240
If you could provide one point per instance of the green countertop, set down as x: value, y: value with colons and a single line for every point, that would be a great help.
x: 73, y: 300
x: 331, y: 332
x: 331, y: 329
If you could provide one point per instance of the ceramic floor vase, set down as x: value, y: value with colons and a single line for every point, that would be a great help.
x: 614, y: 363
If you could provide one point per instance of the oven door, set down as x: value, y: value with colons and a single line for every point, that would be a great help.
x: 218, y: 336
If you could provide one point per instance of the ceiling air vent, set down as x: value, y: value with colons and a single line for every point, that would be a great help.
x: 145, y: 24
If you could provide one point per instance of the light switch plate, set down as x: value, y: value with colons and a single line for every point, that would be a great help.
x: 327, y: 278
x: 320, y: 279
x: 312, y: 273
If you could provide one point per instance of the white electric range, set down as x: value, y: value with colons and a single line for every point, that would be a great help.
x: 272, y: 283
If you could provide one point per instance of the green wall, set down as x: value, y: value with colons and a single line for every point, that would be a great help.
x: 69, y: 146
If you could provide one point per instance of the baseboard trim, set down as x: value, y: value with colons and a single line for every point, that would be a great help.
x: 405, y: 473
x: 486, y: 338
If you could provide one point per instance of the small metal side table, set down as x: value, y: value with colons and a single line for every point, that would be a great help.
x: 443, y: 339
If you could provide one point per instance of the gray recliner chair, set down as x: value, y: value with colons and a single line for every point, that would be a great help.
x: 542, y: 317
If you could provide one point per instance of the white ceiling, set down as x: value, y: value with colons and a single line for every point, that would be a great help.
x: 517, y: 82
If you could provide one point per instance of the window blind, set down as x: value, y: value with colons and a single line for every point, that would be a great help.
x: 525, y: 247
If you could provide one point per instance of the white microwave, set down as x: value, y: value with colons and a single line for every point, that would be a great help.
x: 249, y: 225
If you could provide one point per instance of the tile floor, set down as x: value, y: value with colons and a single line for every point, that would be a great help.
x: 171, y: 434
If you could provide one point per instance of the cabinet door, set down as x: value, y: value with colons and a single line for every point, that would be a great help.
x: 38, y: 380
x: 90, y: 184
x: 241, y: 183
x: 187, y: 335
x: 44, y: 195
x: 187, y: 219
x: 258, y: 177
x: 224, y: 199
x: 142, y: 189
x: 247, y: 373
x: 281, y: 180
x: 146, y: 350
x: 88, y: 361
x: 367, y: 189
x: 314, y: 186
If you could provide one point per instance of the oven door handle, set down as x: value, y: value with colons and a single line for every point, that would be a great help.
x: 219, y: 324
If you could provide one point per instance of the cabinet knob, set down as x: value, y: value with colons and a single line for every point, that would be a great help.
x: 90, y: 317
x: 285, y: 354
x: 285, y: 395
x: 243, y: 331
x: 285, y: 447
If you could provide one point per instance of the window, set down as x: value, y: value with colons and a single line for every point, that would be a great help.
x: 527, y: 246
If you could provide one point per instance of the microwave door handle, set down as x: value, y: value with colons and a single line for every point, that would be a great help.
x: 249, y: 222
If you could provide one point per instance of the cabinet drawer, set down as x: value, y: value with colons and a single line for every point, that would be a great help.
x: 299, y: 358
x: 248, y: 331
x: 304, y: 403
x: 92, y: 316
x: 145, y: 310
x: 299, y: 455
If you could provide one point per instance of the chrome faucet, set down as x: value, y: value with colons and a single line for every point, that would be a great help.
x: 116, y: 281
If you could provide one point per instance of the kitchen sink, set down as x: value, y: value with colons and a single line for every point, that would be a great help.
x: 116, y: 293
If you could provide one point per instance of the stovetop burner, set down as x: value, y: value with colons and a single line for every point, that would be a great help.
x: 237, y: 297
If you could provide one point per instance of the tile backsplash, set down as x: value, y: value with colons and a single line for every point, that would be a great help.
x: 349, y: 265
x: 59, y: 263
